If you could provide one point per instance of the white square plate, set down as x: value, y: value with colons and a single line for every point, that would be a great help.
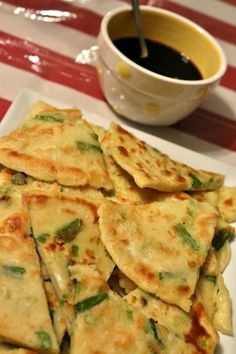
x: 22, y: 105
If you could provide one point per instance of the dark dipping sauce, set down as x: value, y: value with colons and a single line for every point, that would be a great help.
x: 161, y: 59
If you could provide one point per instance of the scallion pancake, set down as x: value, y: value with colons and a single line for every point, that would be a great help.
x: 106, y: 324
x: 71, y: 237
x: 160, y: 246
x: 188, y: 333
x: 24, y: 314
x: 151, y: 168
x: 56, y: 146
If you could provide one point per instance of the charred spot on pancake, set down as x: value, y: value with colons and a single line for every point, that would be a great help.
x: 180, y: 179
x: 143, y: 301
x: 123, y: 151
x: 90, y: 255
x: 55, y: 244
x: 142, y: 145
x: 124, y: 242
x: 183, y: 289
x: 197, y: 331
x: 14, y: 222
x: 229, y: 202
x: 192, y: 264
x: 145, y: 272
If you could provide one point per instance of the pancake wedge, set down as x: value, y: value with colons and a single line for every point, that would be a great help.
x: 151, y: 168
x: 112, y: 327
x: 125, y: 189
x: 71, y: 237
x: 24, y: 315
x: 21, y: 182
x: 213, y: 294
x: 56, y: 146
x: 106, y: 324
x: 160, y: 246
x: 188, y: 333
x: 46, y: 112
x: 24, y: 183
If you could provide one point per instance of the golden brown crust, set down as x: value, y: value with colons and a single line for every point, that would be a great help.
x: 145, y: 244
x: 113, y: 327
x: 54, y: 151
x: 189, y: 332
x: 154, y: 169
x: 22, y: 296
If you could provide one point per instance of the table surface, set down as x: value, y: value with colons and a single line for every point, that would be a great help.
x: 50, y: 46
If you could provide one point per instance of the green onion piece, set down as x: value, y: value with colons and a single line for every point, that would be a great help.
x: 187, y: 238
x: 75, y: 250
x: 14, y: 271
x: 208, y: 277
x: 49, y: 118
x: 164, y: 275
x: 196, y: 183
x: 81, y: 145
x: 89, y: 302
x: 19, y: 179
x: 221, y: 237
x: 44, y: 339
x: 42, y: 238
x: 129, y: 314
x: 5, y: 190
x: 154, y: 331
x: 68, y: 232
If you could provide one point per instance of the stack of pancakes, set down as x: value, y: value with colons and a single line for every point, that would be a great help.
x: 106, y: 244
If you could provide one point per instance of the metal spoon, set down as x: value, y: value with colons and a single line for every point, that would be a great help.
x: 139, y: 27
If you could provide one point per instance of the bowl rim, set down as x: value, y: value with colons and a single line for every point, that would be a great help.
x: 202, y: 82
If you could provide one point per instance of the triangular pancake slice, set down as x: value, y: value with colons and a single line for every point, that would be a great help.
x: 151, y: 168
x: 160, y: 246
x: 71, y: 237
x: 56, y: 146
x: 23, y: 183
x: 97, y: 309
x: 40, y: 106
x: 188, y: 333
x: 106, y: 324
x: 125, y: 188
x: 24, y: 315
x: 213, y: 294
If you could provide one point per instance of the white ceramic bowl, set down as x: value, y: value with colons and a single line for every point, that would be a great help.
x: 142, y: 95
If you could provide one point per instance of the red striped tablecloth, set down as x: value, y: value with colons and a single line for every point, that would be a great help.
x: 48, y: 46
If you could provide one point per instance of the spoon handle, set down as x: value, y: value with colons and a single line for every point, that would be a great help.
x: 138, y: 22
